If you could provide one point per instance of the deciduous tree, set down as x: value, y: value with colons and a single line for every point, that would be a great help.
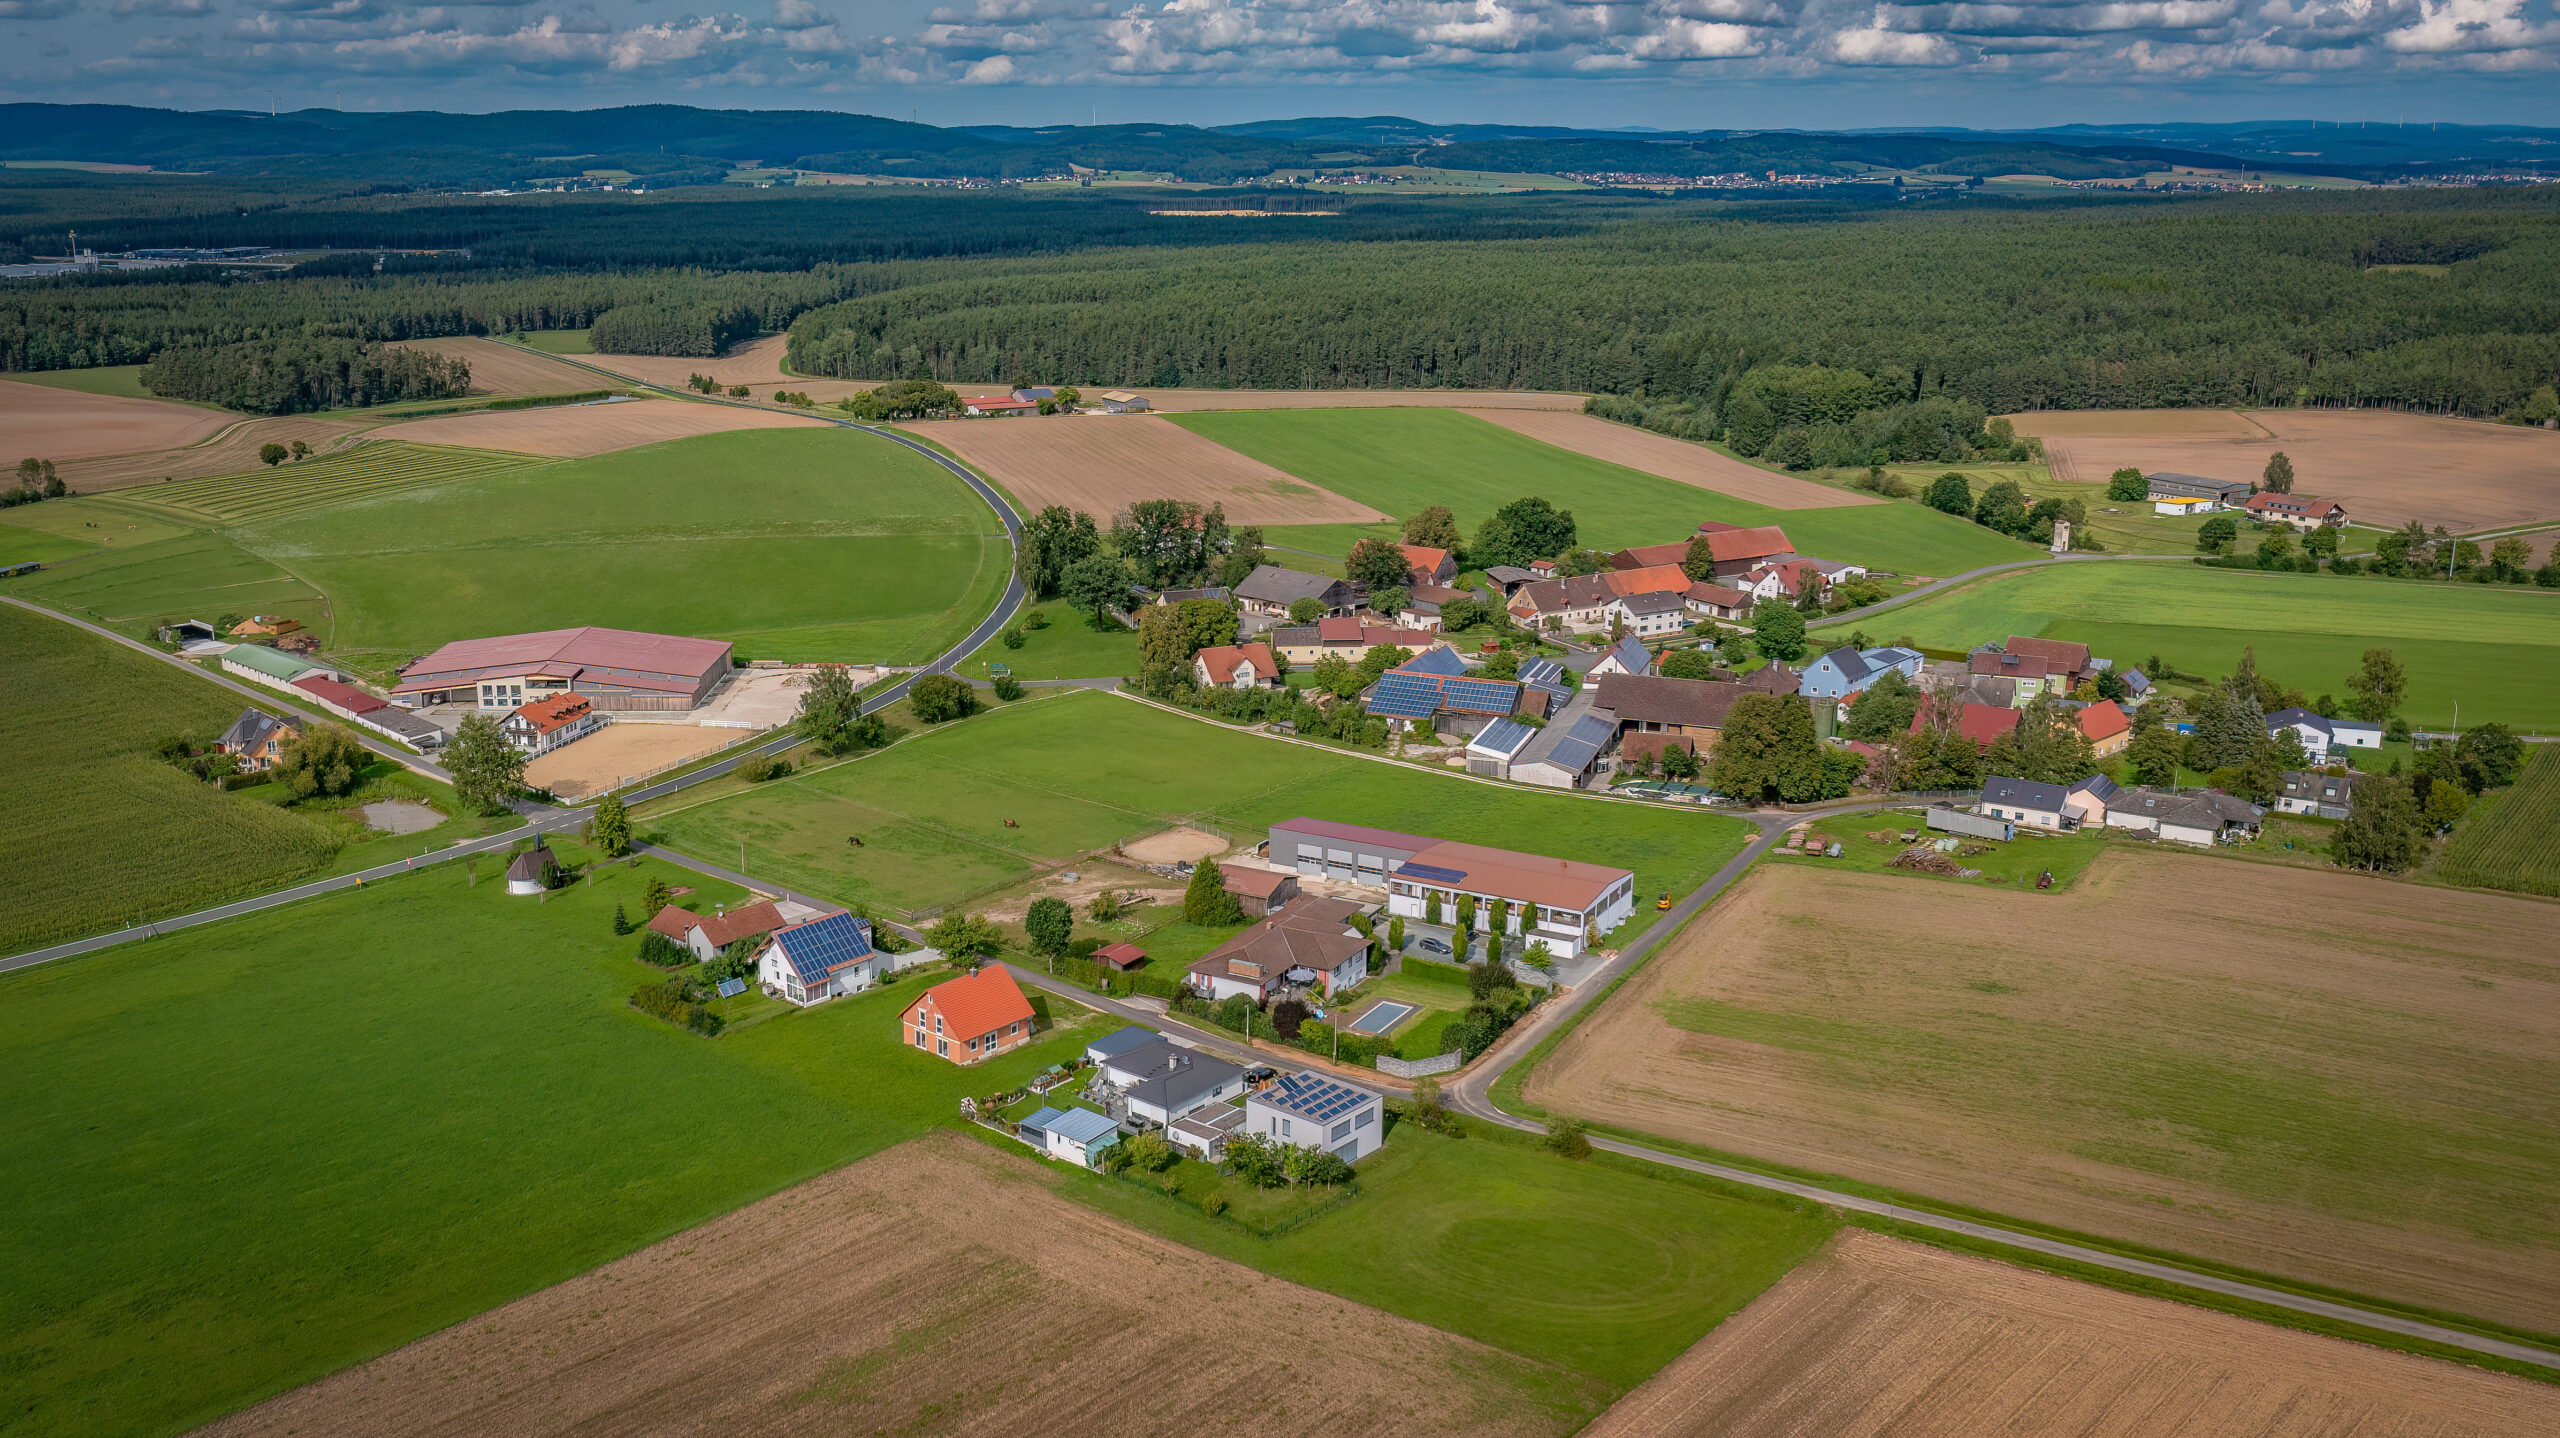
x: 487, y: 770
x: 2380, y: 686
x: 1952, y: 493
x: 610, y: 829
x: 939, y: 698
x: 1522, y: 531
x: 2382, y: 830
x: 1684, y: 664
x: 2128, y: 485
x: 1097, y: 585
x: 1377, y: 564
x: 1169, y: 634
x: 1769, y: 751
x: 1777, y: 629
x: 1050, y: 924
x: 2278, y: 477
x: 324, y: 760
x: 1434, y: 528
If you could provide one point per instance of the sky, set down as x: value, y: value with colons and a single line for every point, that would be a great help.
x: 1669, y: 64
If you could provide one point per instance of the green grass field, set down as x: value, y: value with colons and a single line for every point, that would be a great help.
x: 1403, y: 460
x: 2490, y: 648
x: 558, y: 342
x: 1068, y: 648
x: 121, y: 380
x: 18, y: 545
x: 2514, y: 842
x: 1082, y: 771
x: 793, y: 544
x: 265, y: 1149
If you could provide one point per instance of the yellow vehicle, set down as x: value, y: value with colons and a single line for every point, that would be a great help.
x: 1664, y: 903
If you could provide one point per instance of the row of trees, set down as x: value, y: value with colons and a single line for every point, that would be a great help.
x: 2005, y: 507
x: 290, y: 375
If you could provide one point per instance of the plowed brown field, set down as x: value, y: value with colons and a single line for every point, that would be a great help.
x: 758, y: 362
x: 233, y: 451
x: 498, y: 368
x: 43, y: 422
x: 572, y: 431
x: 938, y: 1288
x: 1101, y: 463
x: 2386, y: 468
x: 1692, y: 464
x: 1877, y: 1336
x: 2313, y: 1074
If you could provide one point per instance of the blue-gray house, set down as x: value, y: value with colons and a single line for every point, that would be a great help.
x: 1845, y: 671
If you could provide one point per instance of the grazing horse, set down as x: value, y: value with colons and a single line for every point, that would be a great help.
x: 1011, y: 825
x: 854, y: 839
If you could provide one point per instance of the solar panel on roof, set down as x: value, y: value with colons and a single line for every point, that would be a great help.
x: 1441, y: 661
x: 1317, y: 1098
x: 819, y: 948
x: 1406, y: 696
x: 1430, y: 873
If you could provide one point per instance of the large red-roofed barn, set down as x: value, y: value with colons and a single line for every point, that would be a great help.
x: 613, y: 668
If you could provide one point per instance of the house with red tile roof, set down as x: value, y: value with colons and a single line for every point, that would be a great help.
x: 1981, y: 723
x: 1235, y: 666
x: 1430, y: 566
x: 2302, y: 511
x: 969, y: 1019
x: 546, y: 724
x: 1739, y: 551
x: 707, y: 936
x: 2108, y: 729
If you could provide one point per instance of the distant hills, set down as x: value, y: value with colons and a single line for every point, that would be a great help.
x: 676, y: 144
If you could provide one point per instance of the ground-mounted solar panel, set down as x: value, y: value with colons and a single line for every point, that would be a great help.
x: 731, y: 988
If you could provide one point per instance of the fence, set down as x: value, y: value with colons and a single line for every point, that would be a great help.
x: 627, y: 780
x: 1420, y: 1068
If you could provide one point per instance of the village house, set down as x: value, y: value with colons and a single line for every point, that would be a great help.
x: 1791, y: 578
x: 1737, y: 550
x: 1431, y: 566
x: 2108, y: 727
x: 708, y: 936
x: 1579, y: 602
x: 1235, y: 666
x: 2323, y: 795
x: 2026, y: 803
x: 2195, y: 493
x: 999, y: 404
x: 2087, y: 801
x: 1259, y: 892
x: 546, y: 724
x: 2319, y: 734
x: 2302, y: 511
x: 1310, y: 944
x: 1691, y: 709
x: 2031, y: 674
x: 1308, y: 1110
x: 1846, y: 671
x: 1507, y: 579
x: 2065, y: 663
x: 969, y: 1019
x: 1071, y: 1135
x: 257, y: 739
x: 2201, y: 818
x: 825, y: 958
x: 1436, y: 688
x: 1347, y: 635
x: 1627, y: 656
x: 1559, y: 901
x: 1719, y: 601
x: 1160, y: 1082
x: 1981, y: 723
x: 1270, y: 590
x: 1425, y: 603
x: 616, y: 669
x: 1656, y: 612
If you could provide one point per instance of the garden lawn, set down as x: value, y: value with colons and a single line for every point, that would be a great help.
x: 264, y: 1149
x: 2492, y: 648
x: 1069, y: 647
x: 2017, y: 863
x: 794, y: 544
x: 1084, y: 770
x: 1404, y: 460
x: 1608, y: 1267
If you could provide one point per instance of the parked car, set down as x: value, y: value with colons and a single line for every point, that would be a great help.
x: 1431, y: 945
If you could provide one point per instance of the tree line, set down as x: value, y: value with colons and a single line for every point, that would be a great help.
x: 295, y: 374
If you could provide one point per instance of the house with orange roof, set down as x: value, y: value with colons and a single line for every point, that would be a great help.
x: 1981, y: 723
x: 1739, y: 551
x: 969, y: 1019
x: 1235, y: 666
x: 2108, y: 729
x: 1430, y: 566
x: 1649, y: 579
x: 545, y: 724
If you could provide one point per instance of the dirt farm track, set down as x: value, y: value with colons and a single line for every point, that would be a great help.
x: 2386, y: 468
x: 2319, y: 1075
x: 1876, y: 1336
x: 938, y: 1288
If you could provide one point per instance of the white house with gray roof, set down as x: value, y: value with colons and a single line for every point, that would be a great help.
x: 1161, y: 1081
x: 1308, y: 1110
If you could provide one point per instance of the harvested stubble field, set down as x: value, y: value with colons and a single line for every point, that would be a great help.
x: 1878, y: 1336
x: 2324, y: 1076
x: 620, y: 752
x: 60, y: 424
x: 1101, y: 464
x: 2385, y: 467
x: 576, y: 431
x: 1656, y: 454
x: 2515, y: 843
x: 232, y: 451
x: 757, y: 362
x: 938, y: 1287
x: 508, y: 369
x: 363, y: 472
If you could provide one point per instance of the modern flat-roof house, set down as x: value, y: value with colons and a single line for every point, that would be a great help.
x: 1206, y: 1131
x: 2327, y: 796
x: 1430, y: 565
x: 616, y: 669
x: 1308, y: 1110
x: 1235, y: 666
x: 1161, y: 1082
x: 2302, y: 511
x: 257, y: 739
x: 1271, y: 589
x: 2216, y: 493
x: 969, y: 1019
x: 1558, y: 900
x: 1071, y: 1135
x: 1310, y: 944
x: 825, y: 958
x: 2200, y: 818
x: 706, y: 936
x: 1846, y: 671
x: 2027, y: 803
x: 546, y: 724
x: 2319, y: 735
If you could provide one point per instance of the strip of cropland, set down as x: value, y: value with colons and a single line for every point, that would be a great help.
x: 2490, y: 648
x: 1401, y: 461
x: 2327, y: 1077
x: 2513, y: 839
x: 1081, y: 771
x: 369, y: 1117
x: 796, y: 544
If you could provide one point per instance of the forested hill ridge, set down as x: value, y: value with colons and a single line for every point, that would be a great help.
x: 682, y: 145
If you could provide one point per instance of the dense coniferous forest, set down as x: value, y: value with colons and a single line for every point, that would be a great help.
x: 292, y: 374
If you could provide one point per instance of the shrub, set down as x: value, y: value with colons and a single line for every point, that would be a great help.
x: 937, y: 698
x: 764, y: 770
x: 1008, y: 688
x: 659, y: 951
x: 1565, y: 1139
x: 1287, y: 1015
x: 679, y: 1001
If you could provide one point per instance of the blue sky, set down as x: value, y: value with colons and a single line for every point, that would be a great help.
x: 1665, y: 63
